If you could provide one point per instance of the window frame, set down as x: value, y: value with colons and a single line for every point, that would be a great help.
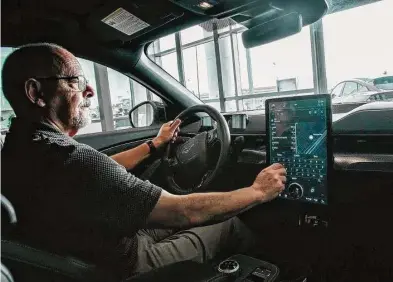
x: 351, y: 93
x: 341, y: 90
x: 360, y: 86
x: 222, y: 99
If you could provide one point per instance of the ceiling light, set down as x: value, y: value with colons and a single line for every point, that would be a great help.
x: 205, y: 5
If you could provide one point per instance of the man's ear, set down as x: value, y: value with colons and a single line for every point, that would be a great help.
x: 34, y: 93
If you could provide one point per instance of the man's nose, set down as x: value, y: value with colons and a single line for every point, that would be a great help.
x: 89, y: 92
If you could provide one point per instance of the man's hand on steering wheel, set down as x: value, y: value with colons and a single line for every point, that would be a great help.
x: 167, y: 133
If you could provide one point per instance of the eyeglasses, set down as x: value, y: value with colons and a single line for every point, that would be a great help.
x: 82, y: 81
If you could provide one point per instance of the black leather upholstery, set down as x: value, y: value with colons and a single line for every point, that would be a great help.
x: 20, y: 255
x: 8, y: 218
x: 31, y: 264
x: 2, y: 138
x: 9, y: 210
x: 6, y: 274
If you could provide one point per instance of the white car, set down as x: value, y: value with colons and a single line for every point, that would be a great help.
x: 363, y: 90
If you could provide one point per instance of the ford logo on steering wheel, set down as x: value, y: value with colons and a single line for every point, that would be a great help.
x: 187, y: 147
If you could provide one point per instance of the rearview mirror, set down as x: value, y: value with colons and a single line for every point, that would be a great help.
x: 147, y: 113
x: 272, y: 30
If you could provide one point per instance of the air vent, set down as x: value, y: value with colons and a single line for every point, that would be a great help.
x: 363, y: 144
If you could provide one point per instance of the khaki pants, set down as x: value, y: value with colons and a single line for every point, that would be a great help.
x: 162, y: 247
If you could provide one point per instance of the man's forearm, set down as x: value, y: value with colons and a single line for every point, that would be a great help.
x: 209, y: 208
x: 130, y: 158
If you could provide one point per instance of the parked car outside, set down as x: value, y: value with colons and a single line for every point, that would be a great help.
x: 363, y: 90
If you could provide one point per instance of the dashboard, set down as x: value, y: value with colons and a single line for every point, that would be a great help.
x: 375, y: 119
x: 362, y: 139
x: 361, y: 145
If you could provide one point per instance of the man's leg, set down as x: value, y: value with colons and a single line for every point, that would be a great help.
x: 198, y: 244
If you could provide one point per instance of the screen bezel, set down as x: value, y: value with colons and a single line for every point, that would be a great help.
x: 329, y: 143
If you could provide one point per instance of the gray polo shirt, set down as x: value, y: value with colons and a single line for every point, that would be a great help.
x: 72, y: 199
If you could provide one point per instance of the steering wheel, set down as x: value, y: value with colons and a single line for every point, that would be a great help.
x: 193, y: 160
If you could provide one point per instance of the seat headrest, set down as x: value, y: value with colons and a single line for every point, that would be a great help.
x: 6, y: 274
x: 9, y: 209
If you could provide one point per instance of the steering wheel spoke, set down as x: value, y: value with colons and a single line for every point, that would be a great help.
x: 212, y: 137
x: 173, y: 162
x: 204, y: 178
x: 193, y: 159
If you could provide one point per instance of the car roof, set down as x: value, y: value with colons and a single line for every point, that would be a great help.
x: 81, y: 25
x: 364, y: 79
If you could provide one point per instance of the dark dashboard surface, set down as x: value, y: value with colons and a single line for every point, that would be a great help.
x: 373, y: 118
x: 362, y: 138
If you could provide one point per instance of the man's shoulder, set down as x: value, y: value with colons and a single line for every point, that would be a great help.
x: 83, y: 151
x: 87, y: 158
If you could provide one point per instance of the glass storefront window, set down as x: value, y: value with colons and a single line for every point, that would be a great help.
x: 207, y: 71
x: 169, y: 64
x: 191, y: 70
x: 356, y: 46
x: 358, y: 43
x: 253, y: 104
x: 230, y: 106
x: 289, y: 58
x: 200, y: 71
x: 167, y: 42
x: 244, y: 83
x: 228, y: 78
x: 215, y: 105
x: 119, y: 88
x: 271, y: 67
x: 6, y: 111
x: 126, y: 94
x: 88, y: 70
x: 193, y: 34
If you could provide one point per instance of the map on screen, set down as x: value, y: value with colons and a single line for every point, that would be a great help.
x: 298, y: 133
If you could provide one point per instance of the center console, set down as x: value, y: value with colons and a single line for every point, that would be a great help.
x: 298, y: 131
x: 245, y: 268
x: 237, y: 268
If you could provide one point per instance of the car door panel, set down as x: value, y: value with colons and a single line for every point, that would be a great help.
x: 104, y: 140
x: 114, y: 142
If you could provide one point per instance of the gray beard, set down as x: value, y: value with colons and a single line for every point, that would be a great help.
x: 82, y: 120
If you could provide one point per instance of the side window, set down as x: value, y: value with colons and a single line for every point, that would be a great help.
x: 350, y: 88
x: 362, y: 88
x: 115, y: 95
x: 7, y: 112
x: 337, y: 90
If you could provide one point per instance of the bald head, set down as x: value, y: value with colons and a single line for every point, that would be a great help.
x: 31, y: 61
x: 45, y: 81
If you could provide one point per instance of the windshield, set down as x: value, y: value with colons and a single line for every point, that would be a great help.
x: 384, y: 83
x: 214, y: 65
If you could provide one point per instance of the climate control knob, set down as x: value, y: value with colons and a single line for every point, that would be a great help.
x: 295, y: 190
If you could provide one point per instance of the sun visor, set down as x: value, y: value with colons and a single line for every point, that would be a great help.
x: 126, y: 20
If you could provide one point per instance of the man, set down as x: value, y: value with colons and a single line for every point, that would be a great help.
x: 72, y: 199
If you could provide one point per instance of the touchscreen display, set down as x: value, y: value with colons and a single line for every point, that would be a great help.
x: 298, y: 136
